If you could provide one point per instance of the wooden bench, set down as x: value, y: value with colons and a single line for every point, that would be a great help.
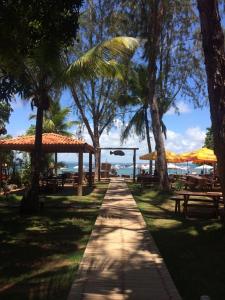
x: 202, y: 202
x: 177, y: 200
x: 147, y: 180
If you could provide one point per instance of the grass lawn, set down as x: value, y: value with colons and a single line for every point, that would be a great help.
x: 39, y: 255
x: 193, y: 249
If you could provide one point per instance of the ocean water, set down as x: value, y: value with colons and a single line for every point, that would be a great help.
x: 127, y: 169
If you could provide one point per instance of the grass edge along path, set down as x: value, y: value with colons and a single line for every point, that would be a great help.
x: 193, y: 249
x: 39, y: 255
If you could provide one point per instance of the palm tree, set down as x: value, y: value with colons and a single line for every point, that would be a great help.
x: 104, y: 60
x: 41, y: 78
x: 55, y: 120
x: 42, y: 75
x: 137, y: 97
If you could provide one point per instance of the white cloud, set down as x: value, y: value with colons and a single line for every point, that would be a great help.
x: 17, y: 103
x: 117, y: 123
x: 196, y: 134
x: 193, y: 138
x: 112, y: 139
x: 183, y: 108
x: 19, y: 133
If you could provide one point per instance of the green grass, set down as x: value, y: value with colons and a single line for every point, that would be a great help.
x: 193, y: 249
x: 39, y: 255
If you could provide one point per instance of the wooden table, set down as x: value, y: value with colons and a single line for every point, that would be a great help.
x: 147, y: 179
x: 214, y: 197
x: 198, y: 182
x: 52, y: 183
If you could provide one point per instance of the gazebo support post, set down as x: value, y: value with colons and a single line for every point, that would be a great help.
x: 134, y: 164
x: 80, y: 174
x: 55, y: 164
x: 90, y: 170
x: 99, y: 166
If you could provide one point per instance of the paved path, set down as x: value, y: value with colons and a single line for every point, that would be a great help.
x: 121, y: 260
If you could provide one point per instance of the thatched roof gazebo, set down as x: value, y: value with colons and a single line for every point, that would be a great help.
x: 54, y: 143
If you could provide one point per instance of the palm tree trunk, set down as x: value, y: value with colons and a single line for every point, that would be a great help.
x: 30, y: 202
x: 97, y: 155
x: 214, y: 51
x: 148, y: 138
x: 161, y: 155
x: 152, y: 48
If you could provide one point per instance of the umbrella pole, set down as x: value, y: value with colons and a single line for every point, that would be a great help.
x: 214, y: 170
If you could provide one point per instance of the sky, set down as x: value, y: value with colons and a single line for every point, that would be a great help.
x: 185, y: 132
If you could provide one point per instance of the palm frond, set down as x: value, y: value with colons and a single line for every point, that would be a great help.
x: 124, y: 100
x: 138, y: 123
x: 48, y: 126
x: 101, y: 60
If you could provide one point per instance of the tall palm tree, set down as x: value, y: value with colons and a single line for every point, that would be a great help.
x: 41, y: 77
x: 55, y: 120
x: 108, y: 59
x: 137, y: 97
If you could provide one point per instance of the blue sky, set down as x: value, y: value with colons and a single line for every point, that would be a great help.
x: 186, y: 131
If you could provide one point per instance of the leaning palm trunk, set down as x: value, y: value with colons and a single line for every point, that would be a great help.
x: 30, y: 202
x: 214, y: 51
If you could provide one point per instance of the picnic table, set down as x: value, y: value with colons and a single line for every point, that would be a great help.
x: 147, y: 180
x: 52, y: 183
x: 204, y: 198
x: 196, y: 182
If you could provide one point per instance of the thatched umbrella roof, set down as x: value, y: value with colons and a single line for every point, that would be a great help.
x: 51, y: 142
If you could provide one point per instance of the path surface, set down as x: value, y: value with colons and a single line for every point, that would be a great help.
x: 121, y: 260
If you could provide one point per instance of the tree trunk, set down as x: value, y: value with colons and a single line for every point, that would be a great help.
x: 214, y: 52
x: 97, y: 155
x: 148, y: 139
x: 159, y: 146
x: 30, y: 202
x: 152, y: 48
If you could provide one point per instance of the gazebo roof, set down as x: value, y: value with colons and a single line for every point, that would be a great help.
x: 51, y: 142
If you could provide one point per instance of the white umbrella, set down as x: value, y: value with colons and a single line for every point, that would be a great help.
x: 144, y: 167
x: 204, y: 167
x: 116, y: 167
x: 77, y: 167
x: 174, y: 167
x: 63, y: 168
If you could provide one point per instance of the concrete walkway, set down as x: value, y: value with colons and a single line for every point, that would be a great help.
x: 121, y: 260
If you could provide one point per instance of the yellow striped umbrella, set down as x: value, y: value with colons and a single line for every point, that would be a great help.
x: 170, y: 156
x: 205, y: 155
x: 200, y: 155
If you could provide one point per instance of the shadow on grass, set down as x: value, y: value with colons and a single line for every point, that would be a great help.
x: 39, y: 254
x: 193, y: 249
x: 194, y: 252
x: 48, y: 285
